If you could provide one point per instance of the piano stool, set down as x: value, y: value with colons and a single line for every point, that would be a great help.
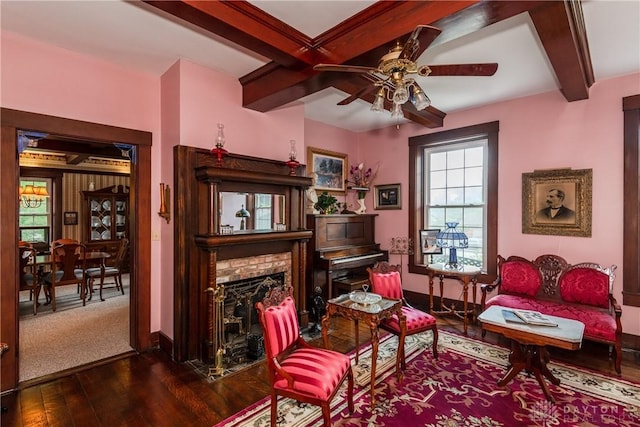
x: 348, y: 284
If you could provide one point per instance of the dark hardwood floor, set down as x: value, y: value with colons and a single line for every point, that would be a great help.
x: 150, y: 390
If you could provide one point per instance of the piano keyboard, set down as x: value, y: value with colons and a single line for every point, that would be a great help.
x: 354, y: 258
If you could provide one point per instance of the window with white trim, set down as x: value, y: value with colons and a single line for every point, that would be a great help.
x: 263, y: 210
x: 35, y: 219
x: 454, y: 178
x: 455, y: 192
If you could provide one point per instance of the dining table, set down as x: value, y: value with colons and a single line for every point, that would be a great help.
x: 43, y: 264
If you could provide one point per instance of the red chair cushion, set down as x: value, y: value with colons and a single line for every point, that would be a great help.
x: 316, y: 372
x: 416, y: 320
x: 281, y: 324
x: 585, y: 286
x: 520, y: 277
x: 388, y: 285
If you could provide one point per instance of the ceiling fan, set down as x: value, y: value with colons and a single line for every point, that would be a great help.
x: 393, y: 77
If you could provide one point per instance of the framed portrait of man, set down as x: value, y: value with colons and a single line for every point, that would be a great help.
x: 557, y: 202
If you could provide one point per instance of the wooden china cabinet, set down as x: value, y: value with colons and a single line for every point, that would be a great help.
x: 106, y: 219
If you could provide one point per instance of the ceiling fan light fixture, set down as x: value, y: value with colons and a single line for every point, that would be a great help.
x: 420, y: 100
x: 401, y: 94
x: 378, y: 103
x: 396, y: 112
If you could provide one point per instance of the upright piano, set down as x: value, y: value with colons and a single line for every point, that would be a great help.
x: 342, y: 247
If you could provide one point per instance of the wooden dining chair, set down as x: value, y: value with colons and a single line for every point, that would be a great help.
x: 28, y: 274
x: 112, y: 267
x: 385, y: 280
x: 298, y: 370
x: 67, y: 268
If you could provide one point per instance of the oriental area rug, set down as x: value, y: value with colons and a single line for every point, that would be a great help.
x: 459, y: 389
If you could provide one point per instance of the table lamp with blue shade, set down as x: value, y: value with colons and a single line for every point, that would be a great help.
x: 452, y: 239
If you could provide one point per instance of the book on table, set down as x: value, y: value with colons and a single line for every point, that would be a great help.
x: 527, y: 317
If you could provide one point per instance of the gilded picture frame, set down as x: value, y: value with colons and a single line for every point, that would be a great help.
x: 328, y: 169
x: 557, y: 202
x: 387, y: 196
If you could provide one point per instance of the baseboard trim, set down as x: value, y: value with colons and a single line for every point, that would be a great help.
x: 164, y: 342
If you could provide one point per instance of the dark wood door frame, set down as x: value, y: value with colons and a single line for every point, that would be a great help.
x: 140, y: 307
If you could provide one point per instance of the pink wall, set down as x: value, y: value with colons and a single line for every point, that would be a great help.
x: 536, y: 132
x: 194, y: 100
x: 208, y: 97
x: 45, y: 79
x: 320, y: 135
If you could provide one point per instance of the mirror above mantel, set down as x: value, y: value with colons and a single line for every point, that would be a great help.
x: 243, y: 211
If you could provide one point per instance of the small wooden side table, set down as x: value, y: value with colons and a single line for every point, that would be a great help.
x: 465, y: 274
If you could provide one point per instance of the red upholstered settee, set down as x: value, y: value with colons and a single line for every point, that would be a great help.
x: 551, y: 286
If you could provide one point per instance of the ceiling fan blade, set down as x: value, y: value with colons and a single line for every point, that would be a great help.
x: 344, y: 68
x: 359, y: 94
x: 418, y: 41
x: 488, y: 69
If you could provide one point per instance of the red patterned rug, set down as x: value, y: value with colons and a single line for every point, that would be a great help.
x: 459, y: 389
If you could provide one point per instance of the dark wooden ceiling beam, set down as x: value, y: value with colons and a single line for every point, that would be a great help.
x: 269, y: 87
x: 366, y: 36
x: 560, y: 26
x: 246, y: 25
x: 79, y: 147
x: 76, y: 159
x: 381, y: 24
x: 375, y: 28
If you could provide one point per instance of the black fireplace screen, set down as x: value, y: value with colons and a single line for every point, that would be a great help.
x: 242, y: 334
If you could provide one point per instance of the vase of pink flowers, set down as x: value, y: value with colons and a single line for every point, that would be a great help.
x: 360, y: 180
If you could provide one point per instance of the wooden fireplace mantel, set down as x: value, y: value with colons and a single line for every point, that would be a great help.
x: 199, y: 244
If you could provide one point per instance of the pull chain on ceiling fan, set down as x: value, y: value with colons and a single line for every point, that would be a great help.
x: 391, y: 76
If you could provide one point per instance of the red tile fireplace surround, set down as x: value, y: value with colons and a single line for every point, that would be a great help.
x: 205, y: 258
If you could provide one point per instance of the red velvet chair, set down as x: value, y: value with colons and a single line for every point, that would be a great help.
x: 298, y: 370
x: 385, y: 281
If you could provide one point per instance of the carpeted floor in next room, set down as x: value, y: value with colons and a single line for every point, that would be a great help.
x: 74, y: 335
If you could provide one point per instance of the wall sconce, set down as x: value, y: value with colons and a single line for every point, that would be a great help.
x: 32, y: 197
x: 219, y: 150
x: 165, y: 202
x: 292, y: 162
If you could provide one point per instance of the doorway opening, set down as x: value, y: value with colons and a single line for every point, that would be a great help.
x: 100, y: 135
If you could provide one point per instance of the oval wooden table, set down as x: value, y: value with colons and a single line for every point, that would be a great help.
x: 529, y: 343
